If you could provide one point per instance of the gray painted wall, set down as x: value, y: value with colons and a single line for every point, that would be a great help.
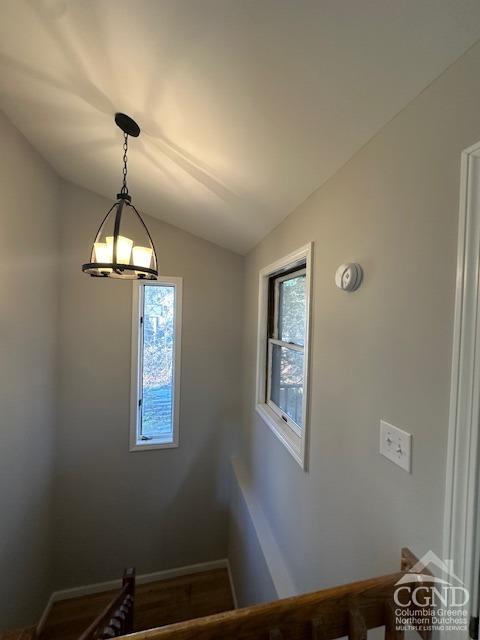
x: 152, y: 509
x: 28, y: 314
x: 253, y: 581
x: 382, y: 352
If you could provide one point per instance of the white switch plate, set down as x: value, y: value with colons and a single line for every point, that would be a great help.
x: 396, y: 445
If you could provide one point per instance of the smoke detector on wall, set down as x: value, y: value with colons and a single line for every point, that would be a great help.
x: 348, y: 277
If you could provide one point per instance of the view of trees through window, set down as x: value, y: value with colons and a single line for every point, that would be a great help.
x: 291, y: 310
x: 287, y: 386
x: 287, y: 363
x: 158, y: 350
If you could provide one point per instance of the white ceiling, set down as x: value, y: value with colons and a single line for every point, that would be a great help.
x: 246, y: 106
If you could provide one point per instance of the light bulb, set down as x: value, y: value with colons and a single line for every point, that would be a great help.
x: 142, y: 256
x: 103, y: 254
x: 124, y: 248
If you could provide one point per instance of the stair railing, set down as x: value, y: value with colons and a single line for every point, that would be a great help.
x: 117, y: 618
x: 348, y: 610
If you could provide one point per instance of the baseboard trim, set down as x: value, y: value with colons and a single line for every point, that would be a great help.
x: 145, y: 578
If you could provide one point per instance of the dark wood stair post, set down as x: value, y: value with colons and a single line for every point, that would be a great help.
x: 129, y: 582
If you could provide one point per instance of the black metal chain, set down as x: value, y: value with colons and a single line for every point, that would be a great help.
x: 125, y: 151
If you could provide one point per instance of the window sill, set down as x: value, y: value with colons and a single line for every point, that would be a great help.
x: 287, y: 436
x: 152, y: 444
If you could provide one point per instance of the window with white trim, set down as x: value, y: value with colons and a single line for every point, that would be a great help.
x: 283, y: 341
x: 156, y: 329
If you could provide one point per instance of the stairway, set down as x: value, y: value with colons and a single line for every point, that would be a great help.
x: 156, y: 604
x: 351, y: 610
x: 200, y: 607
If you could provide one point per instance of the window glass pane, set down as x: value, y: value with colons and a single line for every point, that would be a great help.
x: 291, y: 310
x: 287, y: 381
x: 157, y: 375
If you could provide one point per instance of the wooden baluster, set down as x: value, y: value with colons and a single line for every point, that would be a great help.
x: 120, y: 616
x: 357, y: 629
x: 391, y: 631
x: 116, y: 623
x: 318, y: 626
x: 124, y: 611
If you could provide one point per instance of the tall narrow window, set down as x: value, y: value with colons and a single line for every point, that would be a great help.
x: 155, y: 364
x: 283, y: 338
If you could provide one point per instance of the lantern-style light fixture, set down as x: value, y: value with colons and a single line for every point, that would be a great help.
x: 115, y: 252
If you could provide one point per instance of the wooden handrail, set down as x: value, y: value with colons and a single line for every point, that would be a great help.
x: 348, y: 610
x: 117, y: 617
x: 292, y: 616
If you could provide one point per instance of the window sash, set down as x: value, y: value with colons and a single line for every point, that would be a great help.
x: 141, y: 436
x: 292, y: 274
x: 280, y: 413
x: 276, y: 280
x: 137, y: 363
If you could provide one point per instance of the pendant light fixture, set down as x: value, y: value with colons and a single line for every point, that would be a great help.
x: 113, y: 254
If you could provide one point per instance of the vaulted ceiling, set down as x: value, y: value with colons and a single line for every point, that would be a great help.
x: 246, y: 106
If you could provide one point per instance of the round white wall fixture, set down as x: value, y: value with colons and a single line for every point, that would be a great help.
x: 348, y: 277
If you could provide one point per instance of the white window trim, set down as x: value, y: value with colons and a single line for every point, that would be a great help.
x: 461, y: 535
x: 294, y: 440
x: 137, y: 307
